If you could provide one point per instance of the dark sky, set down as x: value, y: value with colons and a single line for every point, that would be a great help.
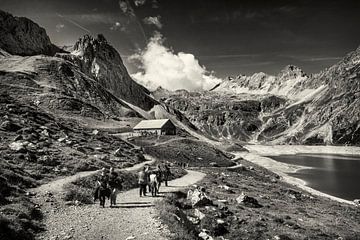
x: 228, y: 37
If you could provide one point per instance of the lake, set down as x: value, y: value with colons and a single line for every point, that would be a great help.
x: 337, y: 175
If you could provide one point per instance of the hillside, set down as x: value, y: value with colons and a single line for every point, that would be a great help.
x: 56, y: 112
x: 291, y: 107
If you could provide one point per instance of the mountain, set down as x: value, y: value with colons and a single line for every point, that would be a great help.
x: 287, y: 83
x: 291, y: 107
x: 21, y: 36
x: 91, y: 81
x: 98, y: 59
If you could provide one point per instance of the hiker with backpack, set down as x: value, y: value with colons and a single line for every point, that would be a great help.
x: 102, y: 190
x: 142, y: 180
x: 159, y: 177
x: 115, y: 186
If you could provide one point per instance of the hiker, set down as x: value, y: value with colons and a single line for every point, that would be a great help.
x: 166, y: 174
x: 147, y: 174
x: 142, y: 182
x: 115, y: 186
x: 159, y: 177
x: 153, y: 183
x: 103, y: 190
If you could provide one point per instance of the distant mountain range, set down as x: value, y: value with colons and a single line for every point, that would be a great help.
x: 92, y: 81
x: 291, y: 107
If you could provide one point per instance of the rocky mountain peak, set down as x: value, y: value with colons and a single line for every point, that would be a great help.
x: 89, y: 48
x: 291, y: 71
x: 97, y: 58
x: 21, y: 36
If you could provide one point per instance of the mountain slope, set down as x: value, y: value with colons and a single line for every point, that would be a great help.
x: 98, y: 59
x: 21, y: 36
x: 291, y: 107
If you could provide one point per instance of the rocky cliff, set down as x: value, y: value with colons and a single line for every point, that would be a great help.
x: 21, y: 36
x: 98, y: 59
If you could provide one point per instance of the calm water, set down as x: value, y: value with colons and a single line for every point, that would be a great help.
x: 337, y: 175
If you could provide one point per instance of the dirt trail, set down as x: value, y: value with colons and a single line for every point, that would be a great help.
x: 57, y: 186
x: 134, y: 217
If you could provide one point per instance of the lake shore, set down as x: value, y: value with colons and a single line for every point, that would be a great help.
x: 258, y: 155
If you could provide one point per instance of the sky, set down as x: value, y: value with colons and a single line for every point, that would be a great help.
x: 205, y: 40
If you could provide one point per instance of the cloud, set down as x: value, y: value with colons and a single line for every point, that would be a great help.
x: 163, y: 67
x: 153, y: 21
x: 59, y: 27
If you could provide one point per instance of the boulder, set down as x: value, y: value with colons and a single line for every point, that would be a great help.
x: 198, y: 198
x: 199, y: 214
x: 18, y: 146
x: 248, y: 201
x: 204, y: 235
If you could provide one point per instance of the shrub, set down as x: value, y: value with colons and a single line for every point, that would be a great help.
x: 78, y: 193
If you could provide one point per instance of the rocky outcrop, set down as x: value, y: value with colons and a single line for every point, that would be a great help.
x: 97, y: 58
x: 21, y: 36
x: 222, y: 116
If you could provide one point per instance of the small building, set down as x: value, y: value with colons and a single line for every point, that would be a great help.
x: 155, y: 127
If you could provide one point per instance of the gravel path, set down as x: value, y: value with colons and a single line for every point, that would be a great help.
x: 134, y: 218
x: 57, y: 186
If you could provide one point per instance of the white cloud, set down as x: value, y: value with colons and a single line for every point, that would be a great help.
x: 173, y: 71
x: 59, y: 27
x: 153, y: 21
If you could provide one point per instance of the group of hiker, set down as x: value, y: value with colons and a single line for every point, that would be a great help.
x: 153, y: 179
x: 109, y: 183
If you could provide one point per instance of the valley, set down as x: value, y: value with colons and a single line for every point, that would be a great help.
x: 65, y: 115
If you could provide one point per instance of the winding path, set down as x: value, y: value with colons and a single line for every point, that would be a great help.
x: 134, y: 217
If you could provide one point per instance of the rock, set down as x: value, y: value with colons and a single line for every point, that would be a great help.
x: 19, y: 146
x: 294, y: 194
x: 45, y: 133
x: 193, y: 220
x: 95, y: 132
x: 130, y: 238
x: 204, y: 235
x: 199, y: 214
x: 251, y: 168
x: 62, y: 139
x: 10, y: 126
x: 214, y: 164
x: 18, y: 137
x: 248, y: 201
x: 31, y: 146
x: 220, y: 228
x: 198, y: 198
x: 118, y: 153
x: 357, y: 201
x: 273, y: 180
x: 239, y: 167
x: 282, y: 237
x: 227, y: 188
x: 220, y: 221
